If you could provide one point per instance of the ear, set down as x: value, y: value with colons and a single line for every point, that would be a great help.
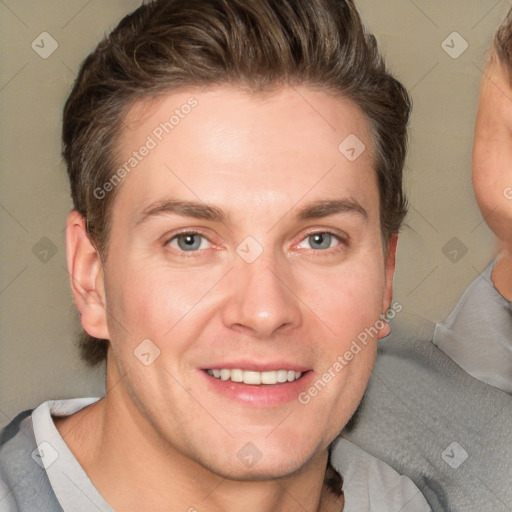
x: 86, y: 277
x: 388, y: 290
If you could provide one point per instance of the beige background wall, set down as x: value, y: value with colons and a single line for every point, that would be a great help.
x: 38, y: 321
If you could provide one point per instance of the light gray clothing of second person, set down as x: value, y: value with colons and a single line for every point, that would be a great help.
x: 477, y: 334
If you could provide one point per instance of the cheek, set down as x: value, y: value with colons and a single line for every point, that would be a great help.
x: 492, y: 181
x: 147, y: 301
x: 348, y: 299
x: 352, y: 310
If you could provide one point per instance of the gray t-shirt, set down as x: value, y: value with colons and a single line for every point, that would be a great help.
x: 39, y: 473
x: 477, y: 334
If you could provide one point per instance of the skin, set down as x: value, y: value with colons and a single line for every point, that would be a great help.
x: 492, y: 165
x: 161, y: 435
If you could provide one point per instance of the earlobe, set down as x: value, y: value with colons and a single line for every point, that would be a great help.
x: 388, y: 290
x: 86, y: 277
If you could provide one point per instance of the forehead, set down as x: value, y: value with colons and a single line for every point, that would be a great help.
x: 211, y: 143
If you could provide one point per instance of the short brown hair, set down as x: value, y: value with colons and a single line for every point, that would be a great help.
x: 503, y: 42
x: 260, y: 45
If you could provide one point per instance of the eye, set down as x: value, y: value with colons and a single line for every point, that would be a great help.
x: 188, y: 242
x: 321, y: 240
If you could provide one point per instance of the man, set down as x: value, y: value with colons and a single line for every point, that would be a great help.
x: 236, y: 172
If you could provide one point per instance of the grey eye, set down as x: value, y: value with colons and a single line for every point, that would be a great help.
x: 320, y: 240
x: 188, y: 242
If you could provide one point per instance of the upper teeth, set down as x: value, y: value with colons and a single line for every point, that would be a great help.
x: 250, y: 377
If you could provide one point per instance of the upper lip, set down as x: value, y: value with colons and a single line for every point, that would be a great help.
x: 258, y: 366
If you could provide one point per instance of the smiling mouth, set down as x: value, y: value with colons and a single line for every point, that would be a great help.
x: 255, y: 378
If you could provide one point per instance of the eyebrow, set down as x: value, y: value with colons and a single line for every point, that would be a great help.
x: 199, y: 210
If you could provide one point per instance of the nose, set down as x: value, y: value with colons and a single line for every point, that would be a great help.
x: 262, y: 299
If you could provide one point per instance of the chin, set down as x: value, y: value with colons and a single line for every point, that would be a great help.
x: 260, y: 461
x: 262, y: 470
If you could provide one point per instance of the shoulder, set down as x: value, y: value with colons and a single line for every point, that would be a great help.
x: 24, y: 485
x: 477, y: 334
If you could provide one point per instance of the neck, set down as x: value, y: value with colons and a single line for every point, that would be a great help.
x: 502, y: 273
x: 135, y: 468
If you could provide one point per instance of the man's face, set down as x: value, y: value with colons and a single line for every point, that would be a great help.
x: 262, y: 290
x: 492, y: 150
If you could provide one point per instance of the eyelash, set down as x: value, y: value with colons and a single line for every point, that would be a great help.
x: 324, y: 252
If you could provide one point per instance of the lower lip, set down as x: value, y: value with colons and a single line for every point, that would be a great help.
x: 264, y: 395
